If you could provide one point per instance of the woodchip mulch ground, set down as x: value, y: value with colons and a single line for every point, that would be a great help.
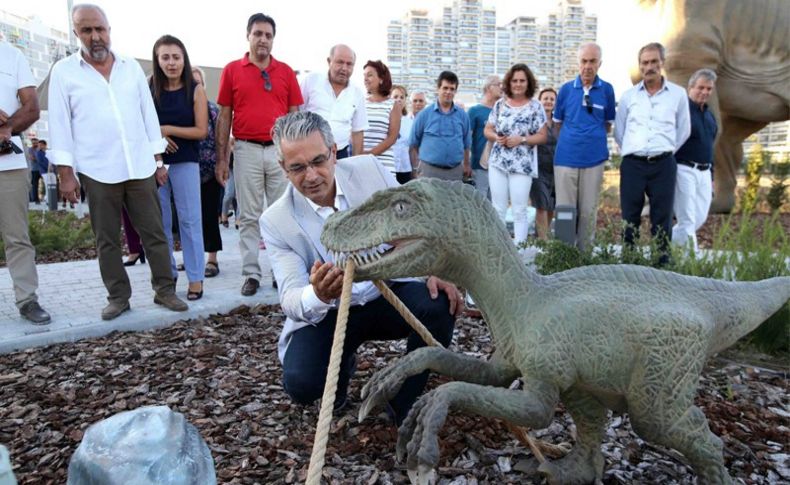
x: 222, y: 373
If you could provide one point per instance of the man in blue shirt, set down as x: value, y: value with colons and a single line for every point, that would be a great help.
x: 585, y: 110
x: 694, y: 187
x: 478, y: 117
x: 34, y: 172
x: 441, y: 136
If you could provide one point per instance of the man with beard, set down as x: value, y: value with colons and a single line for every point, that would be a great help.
x: 338, y: 101
x: 104, y: 127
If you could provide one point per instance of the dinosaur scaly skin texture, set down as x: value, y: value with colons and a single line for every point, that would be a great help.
x: 621, y: 337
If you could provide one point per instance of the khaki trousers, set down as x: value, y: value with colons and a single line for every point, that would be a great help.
x: 141, y: 199
x: 20, y: 254
x: 580, y: 188
x: 259, y: 182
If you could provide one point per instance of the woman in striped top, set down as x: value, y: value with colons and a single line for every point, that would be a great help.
x: 383, y: 114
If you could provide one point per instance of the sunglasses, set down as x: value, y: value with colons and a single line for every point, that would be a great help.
x: 267, y: 82
x: 588, y: 103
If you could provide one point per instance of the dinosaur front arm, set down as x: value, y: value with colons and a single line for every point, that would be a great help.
x: 417, y: 437
x: 386, y: 383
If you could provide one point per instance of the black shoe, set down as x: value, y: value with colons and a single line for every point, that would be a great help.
x: 131, y: 262
x: 250, y: 287
x: 33, y: 312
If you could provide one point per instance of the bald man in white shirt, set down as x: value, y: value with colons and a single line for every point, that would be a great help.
x: 103, y: 126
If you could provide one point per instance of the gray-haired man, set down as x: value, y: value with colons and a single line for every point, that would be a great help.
x: 310, y: 284
x: 694, y: 186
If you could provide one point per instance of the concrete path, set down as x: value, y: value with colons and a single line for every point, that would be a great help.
x: 74, y: 295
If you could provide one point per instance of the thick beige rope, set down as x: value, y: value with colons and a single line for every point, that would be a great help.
x: 316, y: 467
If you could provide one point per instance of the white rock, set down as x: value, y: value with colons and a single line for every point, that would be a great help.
x: 147, y: 446
x: 6, y: 475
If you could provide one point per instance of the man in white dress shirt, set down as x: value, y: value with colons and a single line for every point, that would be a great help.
x: 651, y: 124
x: 310, y: 284
x: 338, y: 101
x: 18, y: 110
x: 104, y: 127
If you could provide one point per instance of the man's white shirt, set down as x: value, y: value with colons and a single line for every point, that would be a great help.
x: 106, y: 130
x: 15, y: 74
x: 345, y: 112
x: 313, y: 307
x: 650, y: 125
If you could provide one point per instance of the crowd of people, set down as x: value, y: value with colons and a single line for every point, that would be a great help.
x: 301, y: 151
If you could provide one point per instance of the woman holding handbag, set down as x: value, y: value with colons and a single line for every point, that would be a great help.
x: 515, y: 126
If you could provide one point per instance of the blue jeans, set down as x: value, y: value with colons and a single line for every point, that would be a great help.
x: 307, y: 358
x: 183, y: 181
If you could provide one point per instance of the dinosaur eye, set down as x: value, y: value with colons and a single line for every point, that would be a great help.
x: 400, y: 207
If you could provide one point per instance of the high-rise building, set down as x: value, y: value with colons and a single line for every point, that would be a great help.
x: 467, y: 41
x: 42, y: 46
x: 462, y: 40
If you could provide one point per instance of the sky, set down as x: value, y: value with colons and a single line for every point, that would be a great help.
x: 307, y: 29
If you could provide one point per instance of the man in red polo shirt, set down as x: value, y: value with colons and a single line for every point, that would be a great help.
x: 253, y: 92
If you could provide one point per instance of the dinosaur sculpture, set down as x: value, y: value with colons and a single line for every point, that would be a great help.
x: 620, y: 337
x: 747, y: 44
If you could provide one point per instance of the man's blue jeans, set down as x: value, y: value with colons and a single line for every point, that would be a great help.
x: 307, y: 358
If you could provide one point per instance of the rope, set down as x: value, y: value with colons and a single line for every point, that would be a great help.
x: 407, y: 314
x: 315, y: 469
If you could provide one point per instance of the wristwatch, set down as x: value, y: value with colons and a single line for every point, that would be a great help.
x: 523, y: 139
x: 160, y: 164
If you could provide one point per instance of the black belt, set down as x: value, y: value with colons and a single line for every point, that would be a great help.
x: 699, y: 166
x: 258, y: 142
x: 649, y: 158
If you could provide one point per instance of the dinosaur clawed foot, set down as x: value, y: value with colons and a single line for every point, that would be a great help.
x: 581, y: 466
x: 386, y: 383
x: 417, y: 436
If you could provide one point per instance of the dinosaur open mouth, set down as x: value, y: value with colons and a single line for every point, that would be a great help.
x: 366, y: 256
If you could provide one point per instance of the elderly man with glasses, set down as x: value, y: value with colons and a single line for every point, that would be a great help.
x: 309, y: 282
x: 253, y: 92
x: 585, y: 110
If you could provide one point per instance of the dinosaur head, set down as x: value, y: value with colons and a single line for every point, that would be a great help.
x: 418, y: 229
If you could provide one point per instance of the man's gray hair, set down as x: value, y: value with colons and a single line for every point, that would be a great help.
x: 492, y: 80
x: 298, y: 126
x: 335, y: 47
x: 81, y: 6
x: 419, y: 91
x: 653, y: 46
x: 706, y: 73
x: 590, y: 44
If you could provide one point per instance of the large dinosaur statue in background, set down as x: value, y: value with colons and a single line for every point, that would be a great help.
x: 747, y: 43
x: 622, y: 337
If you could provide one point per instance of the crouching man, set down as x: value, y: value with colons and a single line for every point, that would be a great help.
x: 309, y: 282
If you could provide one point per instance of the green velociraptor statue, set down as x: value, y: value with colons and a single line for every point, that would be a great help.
x: 621, y: 337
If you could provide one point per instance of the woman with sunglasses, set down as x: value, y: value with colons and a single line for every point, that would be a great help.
x: 182, y: 107
x: 517, y: 124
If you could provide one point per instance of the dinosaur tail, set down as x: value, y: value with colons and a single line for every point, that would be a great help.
x: 755, y: 302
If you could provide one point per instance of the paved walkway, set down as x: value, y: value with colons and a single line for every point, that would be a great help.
x: 74, y: 295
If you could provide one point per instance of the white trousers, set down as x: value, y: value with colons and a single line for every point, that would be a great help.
x: 512, y: 187
x: 692, y: 202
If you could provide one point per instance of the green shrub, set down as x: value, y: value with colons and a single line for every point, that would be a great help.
x: 777, y: 194
x: 755, y: 162
x: 56, y: 231
x: 737, y: 253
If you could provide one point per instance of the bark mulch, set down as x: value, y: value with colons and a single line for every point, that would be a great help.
x: 222, y: 372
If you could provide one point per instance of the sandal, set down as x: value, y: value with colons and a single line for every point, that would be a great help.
x: 212, y: 269
x: 195, y: 295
